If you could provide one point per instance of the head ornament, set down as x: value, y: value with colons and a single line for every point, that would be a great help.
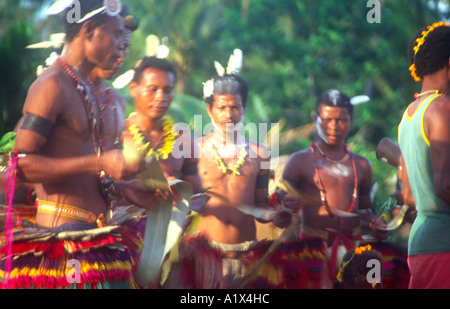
x: 420, y: 41
x: 110, y: 7
x: 234, y: 67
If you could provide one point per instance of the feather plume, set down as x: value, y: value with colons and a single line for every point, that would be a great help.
x: 59, y: 6
x: 56, y: 41
x: 123, y: 80
x: 92, y: 14
x: 163, y: 52
x: 359, y: 100
x: 237, y: 61
x: 153, y: 43
x: 230, y: 67
x: 219, y: 68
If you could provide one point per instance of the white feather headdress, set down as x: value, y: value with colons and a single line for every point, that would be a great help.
x: 156, y: 47
x: 234, y: 67
x: 234, y: 64
x: 111, y: 7
x: 360, y: 99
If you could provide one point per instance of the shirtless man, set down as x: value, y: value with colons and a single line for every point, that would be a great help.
x: 152, y: 90
x: 61, y: 148
x: 333, y: 177
x: 113, y: 106
x: 60, y: 141
x: 231, y: 165
x: 236, y: 171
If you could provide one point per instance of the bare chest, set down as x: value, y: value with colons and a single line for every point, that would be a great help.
x: 331, y: 174
x: 79, y: 128
x: 228, y: 173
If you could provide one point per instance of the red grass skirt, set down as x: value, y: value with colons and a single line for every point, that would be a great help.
x: 396, y: 272
x: 295, y: 265
x: 104, y: 258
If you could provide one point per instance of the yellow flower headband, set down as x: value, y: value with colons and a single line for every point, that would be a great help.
x: 358, y: 251
x: 420, y: 42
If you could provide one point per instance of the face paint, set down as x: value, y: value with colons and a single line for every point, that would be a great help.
x: 320, y: 131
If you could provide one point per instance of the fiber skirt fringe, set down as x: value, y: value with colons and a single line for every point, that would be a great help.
x: 295, y: 265
x: 396, y: 272
x: 89, y: 259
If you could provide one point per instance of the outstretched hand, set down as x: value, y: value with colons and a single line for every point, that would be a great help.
x: 136, y: 193
x: 378, y: 221
x: 115, y: 164
x: 292, y: 203
x: 283, y: 218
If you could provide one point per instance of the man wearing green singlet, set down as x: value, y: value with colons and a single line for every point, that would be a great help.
x: 424, y: 138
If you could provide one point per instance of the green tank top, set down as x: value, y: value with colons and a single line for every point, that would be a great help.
x: 433, y: 214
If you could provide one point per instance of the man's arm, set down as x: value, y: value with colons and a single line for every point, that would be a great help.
x: 44, y: 104
x: 365, y: 204
x: 189, y: 173
x: 262, y: 179
x: 291, y: 174
x: 282, y: 217
x: 365, y: 185
x: 438, y: 123
x: 406, y: 193
x: 41, y: 169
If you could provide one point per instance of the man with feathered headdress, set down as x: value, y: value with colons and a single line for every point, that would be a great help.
x: 61, y: 149
x: 235, y: 168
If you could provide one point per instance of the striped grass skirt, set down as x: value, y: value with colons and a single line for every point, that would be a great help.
x: 294, y: 265
x: 79, y: 259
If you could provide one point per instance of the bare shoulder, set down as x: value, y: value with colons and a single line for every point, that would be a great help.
x: 298, y: 163
x: 47, y: 94
x: 362, y: 160
x: 299, y: 158
x: 437, y: 117
x: 439, y: 104
x: 366, y: 168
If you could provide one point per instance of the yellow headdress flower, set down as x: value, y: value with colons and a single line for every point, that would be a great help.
x: 358, y: 251
x: 361, y: 249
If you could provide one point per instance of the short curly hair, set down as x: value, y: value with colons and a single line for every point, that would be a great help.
x: 434, y: 54
x: 229, y: 84
x: 152, y: 62
x: 335, y: 98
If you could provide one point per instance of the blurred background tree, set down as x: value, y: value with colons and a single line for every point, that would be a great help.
x: 293, y: 50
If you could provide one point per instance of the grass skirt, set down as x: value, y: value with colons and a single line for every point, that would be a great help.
x: 198, y: 265
x: 93, y: 258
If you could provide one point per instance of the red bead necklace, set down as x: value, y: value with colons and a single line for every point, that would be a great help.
x: 106, y: 182
x: 323, y: 195
x: 94, y: 126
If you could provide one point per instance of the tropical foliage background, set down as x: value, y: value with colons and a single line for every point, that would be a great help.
x: 293, y: 50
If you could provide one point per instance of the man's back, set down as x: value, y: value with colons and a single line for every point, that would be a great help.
x: 431, y: 209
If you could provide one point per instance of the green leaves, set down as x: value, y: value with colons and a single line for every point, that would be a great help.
x: 7, y: 142
x: 6, y: 146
